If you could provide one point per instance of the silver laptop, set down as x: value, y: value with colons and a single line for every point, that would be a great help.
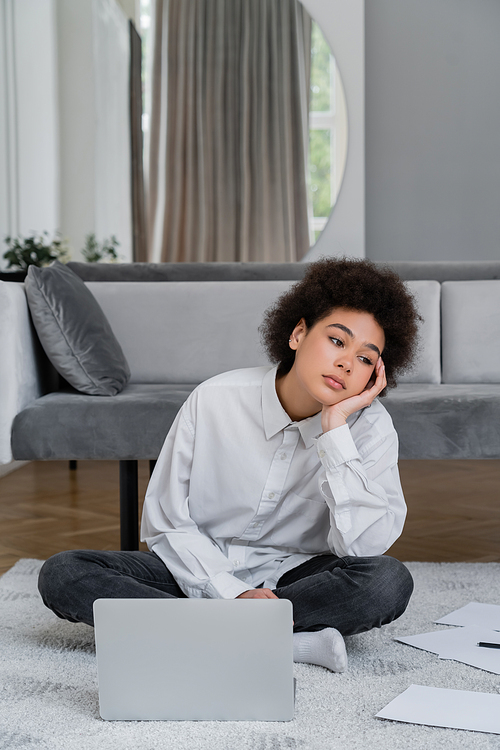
x: 195, y: 659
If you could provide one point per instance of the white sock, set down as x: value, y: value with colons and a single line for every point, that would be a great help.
x: 326, y: 648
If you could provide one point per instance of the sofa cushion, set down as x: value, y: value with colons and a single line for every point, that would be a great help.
x: 187, y: 331
x: 74, y: 331
x: 427, y: 366
x: 446, y: 421
x: 132, y: 425
x: 432, y: 421
x: 471, y: 331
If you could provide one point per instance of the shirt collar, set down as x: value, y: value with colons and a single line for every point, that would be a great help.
x: 275, y: 417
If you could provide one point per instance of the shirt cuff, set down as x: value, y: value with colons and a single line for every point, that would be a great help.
x: 225, y: 586
x: 336, y: 447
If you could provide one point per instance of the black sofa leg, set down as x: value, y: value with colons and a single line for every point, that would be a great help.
x: 72, y: 465
x: 129, y: 506
x: 152, y: 464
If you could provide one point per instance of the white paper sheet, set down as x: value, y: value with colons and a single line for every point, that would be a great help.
x: 460, y: 644
x: 474, y: 614
x: 439, y: 707
x: 437, y: 640
x: 474, y: 655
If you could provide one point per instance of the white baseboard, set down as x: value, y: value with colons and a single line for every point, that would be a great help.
x: 7, y: 468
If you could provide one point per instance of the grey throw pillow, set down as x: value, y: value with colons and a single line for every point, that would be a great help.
x: 74, y: 331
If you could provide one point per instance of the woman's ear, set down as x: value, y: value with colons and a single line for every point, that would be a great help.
x: 297, y: 334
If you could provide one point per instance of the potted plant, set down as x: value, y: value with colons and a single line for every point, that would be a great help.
x: 93, y: 252
x: 37, y: 250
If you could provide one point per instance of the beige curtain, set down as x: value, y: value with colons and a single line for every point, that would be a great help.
x: 139, y: 238
x: 229, y: 130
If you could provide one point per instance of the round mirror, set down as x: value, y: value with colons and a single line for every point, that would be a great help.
x: 296, y: 92
x: 328, y: 132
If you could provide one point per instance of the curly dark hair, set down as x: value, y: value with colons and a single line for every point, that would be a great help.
x: 355, y: 285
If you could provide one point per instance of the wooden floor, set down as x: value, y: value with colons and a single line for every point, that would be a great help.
x: 453, y: 510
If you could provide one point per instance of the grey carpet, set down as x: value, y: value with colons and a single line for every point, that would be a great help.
x: 49, y: 690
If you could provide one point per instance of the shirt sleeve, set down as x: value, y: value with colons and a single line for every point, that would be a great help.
x: 195, y: 561
x: 363, y: 491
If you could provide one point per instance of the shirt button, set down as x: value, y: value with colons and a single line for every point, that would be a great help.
x: 321, y: 454
x: 283, y: 456
x: 271, y: 495
x: 236, y: 563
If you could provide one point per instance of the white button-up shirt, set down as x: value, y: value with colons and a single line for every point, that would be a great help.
x: 240, y: 494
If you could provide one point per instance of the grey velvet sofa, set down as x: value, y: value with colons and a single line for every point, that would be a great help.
x: 179, y: 324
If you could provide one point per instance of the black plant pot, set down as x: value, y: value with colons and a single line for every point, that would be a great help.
x: 13, y: 275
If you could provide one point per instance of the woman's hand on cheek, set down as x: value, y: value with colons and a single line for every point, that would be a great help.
x: 336, y: 415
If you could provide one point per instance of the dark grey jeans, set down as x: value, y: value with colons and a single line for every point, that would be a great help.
x: 352, y: 594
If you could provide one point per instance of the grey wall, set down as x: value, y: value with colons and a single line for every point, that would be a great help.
x: 432, y: 129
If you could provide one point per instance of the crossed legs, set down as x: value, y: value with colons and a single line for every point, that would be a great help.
x: 350, y: 594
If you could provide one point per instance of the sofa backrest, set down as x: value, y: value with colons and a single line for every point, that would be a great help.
x: 458, y: 270
x: 188, y: 331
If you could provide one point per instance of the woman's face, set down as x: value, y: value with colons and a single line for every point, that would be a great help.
x: 336, y: 357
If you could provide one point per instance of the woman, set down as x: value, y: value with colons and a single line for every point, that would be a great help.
x: 280, y: 482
